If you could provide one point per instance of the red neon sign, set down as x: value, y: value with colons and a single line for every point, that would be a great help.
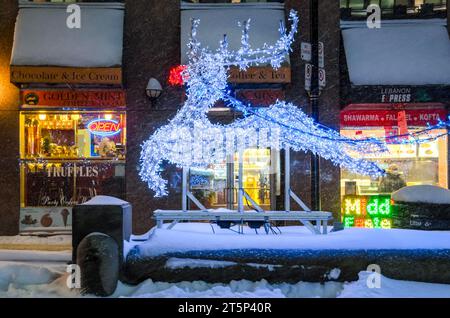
x: 390, y: 118
x: 104, y: 127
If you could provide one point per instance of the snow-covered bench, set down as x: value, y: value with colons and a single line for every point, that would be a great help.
x: 304, y: 217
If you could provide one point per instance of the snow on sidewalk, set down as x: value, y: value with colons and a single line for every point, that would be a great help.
x: 29, y: 242
x: 390, y: 288
x: 35, y: 256
x: 33, y: 280
x: 199, y: 237
x: 262, y: 289
x: 36, y: 249
x: 29, y: 280
x: 235, y: 289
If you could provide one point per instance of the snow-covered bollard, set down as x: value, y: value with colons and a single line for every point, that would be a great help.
x: 98, y: 258
x: 99, y: 229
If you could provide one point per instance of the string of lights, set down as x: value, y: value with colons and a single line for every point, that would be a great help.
x: 191, y: 140
x: 411, y: 137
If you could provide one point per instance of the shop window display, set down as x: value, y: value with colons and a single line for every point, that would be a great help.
x: 214, y: 186
x: 66, y: 159
x: 73, y: 135
x: 366, y: 201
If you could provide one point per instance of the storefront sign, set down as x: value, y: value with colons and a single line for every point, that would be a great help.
x: 370, y: 211
x: 46, y: 219
x: 104, y: 127
x: 73, y: 98
x: 69, y: 171
x: 260, y: 75
x: 375, y: 205
x: 369, y: 223
x: 397, y: 94
x: 72, y: 75
x: 62, y: 184
x: 389, y: 118
x: 260, y: 97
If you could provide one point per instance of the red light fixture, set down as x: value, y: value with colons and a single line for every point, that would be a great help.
x: 175, y: 75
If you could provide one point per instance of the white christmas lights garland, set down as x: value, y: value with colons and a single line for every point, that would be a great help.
x: 191, y: 140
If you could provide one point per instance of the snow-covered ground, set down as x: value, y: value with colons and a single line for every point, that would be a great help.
x: 30, y: 280
x: 32, y: 242
x: 35, y: 256
x: 200, y: 237
x: 43, y: 273
x: 391, y: 288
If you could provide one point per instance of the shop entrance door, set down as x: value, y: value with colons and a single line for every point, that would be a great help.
x: 217, y: 186
x: 256, y: 180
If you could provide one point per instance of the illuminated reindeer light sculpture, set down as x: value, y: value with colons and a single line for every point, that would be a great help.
x: 191, y: 140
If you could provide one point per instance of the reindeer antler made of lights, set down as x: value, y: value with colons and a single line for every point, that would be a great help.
x: 191, y: 140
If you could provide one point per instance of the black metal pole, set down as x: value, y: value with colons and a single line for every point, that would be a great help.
x: 314, y: 100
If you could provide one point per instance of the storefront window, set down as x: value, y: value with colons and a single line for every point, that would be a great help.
x: 52, y: 135
x: 217, y: 186
x: 66, y: 159
x: 209, y: 185
x: 366, y: 201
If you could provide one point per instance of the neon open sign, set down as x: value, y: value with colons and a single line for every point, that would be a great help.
x: 370, y: 211
x: 104, y: 127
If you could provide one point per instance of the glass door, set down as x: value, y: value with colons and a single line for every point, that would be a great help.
x: 256, y: 180
x: 217, y: 185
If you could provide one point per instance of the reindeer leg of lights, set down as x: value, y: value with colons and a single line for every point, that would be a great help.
x: 191, y: 140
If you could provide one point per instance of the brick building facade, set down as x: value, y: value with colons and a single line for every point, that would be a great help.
x: 9, y: 123
x: 151, y: 47
x: 165, y: 26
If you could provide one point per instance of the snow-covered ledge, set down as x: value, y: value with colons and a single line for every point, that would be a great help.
x: 217, y: 19
x: 401, y: 52
x: 194, y: 252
